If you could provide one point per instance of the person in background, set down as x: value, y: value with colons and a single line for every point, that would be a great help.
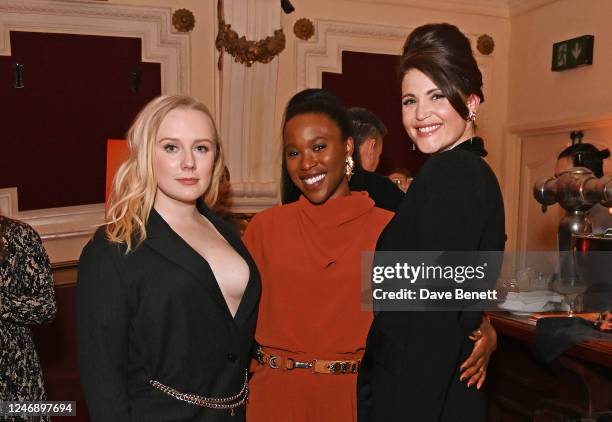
x: 27, y: 297
x: 368, y: 133
x: 591, y: 158
x: 167, y: 294
x: 412, y: 367
x: 401, y: 177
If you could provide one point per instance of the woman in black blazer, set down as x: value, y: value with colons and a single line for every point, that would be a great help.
x: 412, y: 368
x: 167, y: 293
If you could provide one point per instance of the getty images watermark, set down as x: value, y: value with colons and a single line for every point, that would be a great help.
x: 483, y: 280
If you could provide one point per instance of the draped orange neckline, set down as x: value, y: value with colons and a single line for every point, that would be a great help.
x: 329, y: 228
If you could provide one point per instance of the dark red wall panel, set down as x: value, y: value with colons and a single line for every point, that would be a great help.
x: 77, y: 94
x: 371, y: 81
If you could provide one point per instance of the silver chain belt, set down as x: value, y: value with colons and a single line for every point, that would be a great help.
x: 222, y: 403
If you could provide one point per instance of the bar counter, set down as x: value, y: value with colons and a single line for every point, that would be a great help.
x: 577, y: 386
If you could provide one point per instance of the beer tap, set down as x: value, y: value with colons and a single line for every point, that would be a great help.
x: 577, y: 190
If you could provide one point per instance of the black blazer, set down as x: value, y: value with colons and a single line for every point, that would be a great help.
x: 410, y: 370
x: 158, y: 313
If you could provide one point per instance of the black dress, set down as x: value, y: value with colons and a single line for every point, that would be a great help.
x: 158, y: 313
x: 411, y: 366
x: 26, y: 297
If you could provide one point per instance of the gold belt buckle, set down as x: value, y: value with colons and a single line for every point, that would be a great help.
x: 297, y: 364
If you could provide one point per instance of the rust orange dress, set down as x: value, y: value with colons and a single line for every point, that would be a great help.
x: 309, y: 258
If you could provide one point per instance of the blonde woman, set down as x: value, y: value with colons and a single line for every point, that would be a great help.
x: 167, y: 294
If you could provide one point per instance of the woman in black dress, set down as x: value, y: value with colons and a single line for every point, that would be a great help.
x: 412, y: 367
x: 26, y: 298
x: 167, y: 293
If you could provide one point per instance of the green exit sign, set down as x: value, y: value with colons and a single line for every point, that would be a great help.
x: 572, y: 53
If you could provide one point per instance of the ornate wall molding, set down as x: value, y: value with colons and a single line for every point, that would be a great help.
x: 65, y: 230
x: 323, y: 53
x: 153, y: 25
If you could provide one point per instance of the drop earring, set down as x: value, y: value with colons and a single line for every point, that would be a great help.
x: 349, y: 167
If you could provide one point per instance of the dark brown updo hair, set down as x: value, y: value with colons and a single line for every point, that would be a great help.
x: 444, y: 54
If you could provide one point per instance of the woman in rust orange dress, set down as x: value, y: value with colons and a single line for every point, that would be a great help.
x: 311, y: 327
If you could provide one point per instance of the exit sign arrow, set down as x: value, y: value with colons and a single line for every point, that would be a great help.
x: 570, y: 54
x: 576, y: 51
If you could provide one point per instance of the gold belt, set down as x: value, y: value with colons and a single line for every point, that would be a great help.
x: 318, y: 366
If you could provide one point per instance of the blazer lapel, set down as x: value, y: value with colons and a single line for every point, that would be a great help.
x: 170, y: 245
x: 250, y: 297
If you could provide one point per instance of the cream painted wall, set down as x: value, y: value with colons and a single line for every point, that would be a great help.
x: 203, y: 57
x: 408, y: 17
x: 539, y: 95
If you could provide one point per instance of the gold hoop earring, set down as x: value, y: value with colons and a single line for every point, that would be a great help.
x: 349, y: 167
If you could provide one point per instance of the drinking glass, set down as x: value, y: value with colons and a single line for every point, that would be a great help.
x: 572, y: 290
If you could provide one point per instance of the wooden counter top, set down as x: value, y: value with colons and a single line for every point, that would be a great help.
x: 523, y: 328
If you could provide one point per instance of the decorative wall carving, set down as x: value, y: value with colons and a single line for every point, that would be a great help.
x: 243, y: 50
x: 485, y: 44
x: 183, y: 20
x: 303, y: 29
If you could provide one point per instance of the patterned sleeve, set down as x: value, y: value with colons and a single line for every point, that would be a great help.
x: 29, y: 297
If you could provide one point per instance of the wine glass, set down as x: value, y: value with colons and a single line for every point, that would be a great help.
x: 571, y: 289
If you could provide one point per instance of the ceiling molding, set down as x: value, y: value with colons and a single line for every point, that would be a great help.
x: 519, y: 7
x: 585, y: 121
x: 495, y: 8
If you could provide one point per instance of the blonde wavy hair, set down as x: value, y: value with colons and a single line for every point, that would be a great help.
x: 134, y: 185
